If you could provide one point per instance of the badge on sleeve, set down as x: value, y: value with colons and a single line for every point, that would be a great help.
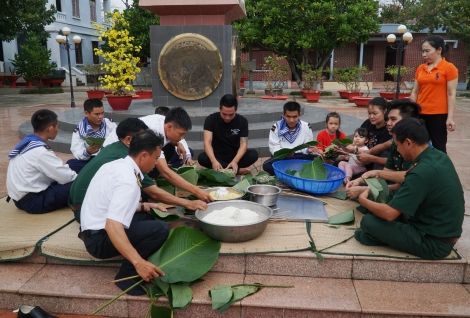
x: 273, y: 128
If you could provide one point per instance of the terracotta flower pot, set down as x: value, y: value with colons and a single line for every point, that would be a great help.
x: 392, y: 95
x: 362, y: 101
x: 12, y: 79
x: 302, y: 91
x: 242, y: 81
x: 351, y: 95
x: 1, y: 80
x: 121, y: 102
x: 145, y: 94
x: 95, y: 94
x: 276, y: 97
x: 312, y: 96
x: 343, y: 94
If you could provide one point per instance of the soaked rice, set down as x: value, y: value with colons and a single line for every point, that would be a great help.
x: 232, y: 216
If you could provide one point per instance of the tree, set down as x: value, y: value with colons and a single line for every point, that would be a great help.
x: 294, y: 27
x: 140, y: 20
x: 33, y: 61
x: 20, y: 16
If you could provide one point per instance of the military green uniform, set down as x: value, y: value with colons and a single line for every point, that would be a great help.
x: 395, y: 160
x: 114, y: 151
x: 432, y: 204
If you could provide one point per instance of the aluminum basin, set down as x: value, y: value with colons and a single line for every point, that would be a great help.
x: 235, y: 233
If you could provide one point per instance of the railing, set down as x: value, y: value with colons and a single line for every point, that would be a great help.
x: 60, y: 16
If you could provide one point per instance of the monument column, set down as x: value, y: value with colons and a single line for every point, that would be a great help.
x: 195, y: 51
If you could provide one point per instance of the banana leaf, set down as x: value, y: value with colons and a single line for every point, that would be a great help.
x: 379, y: 189
x: 342, y: 142
x: 160, y: 312
x: 183, y: 169
x: 339, y: 194
x: 220, y: 296
x: 242, y: 185
x: 331, y: 153
x: 179, y: 296
x: 342, y: 218
x: 282, y: 153
x: 163, y: 216
x: 186, y: 255
x: 291, y: 172
x: 238, y: 293
x: 93, y: 141
x: 314, y: 170
x: 210, y: 177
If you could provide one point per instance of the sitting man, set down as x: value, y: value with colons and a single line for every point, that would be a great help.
x: 425, y: 216
x: 93, y: 125
x: 37, y: 180
x: 289, y: 132
x: 226, y: 139
x: 171, y: 152
x: 119, y: 150
x: 110, y: 225
x: 395, y: 166
x: 173, y: 127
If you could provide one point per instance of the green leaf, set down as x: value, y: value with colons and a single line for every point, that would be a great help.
x: 315, y: 251
x: 239, y: 293
x: 339, y: 194
x: 163, y: 216
x: 242, y: 185
x: 375, y: 187
x: 314, y: 170
x: 153, y: 291
x: 220, y: 296
x: 189, y: 175
x: 342, y: 142
x: 291, y: 172
x: 331, y: 153
x: 186, y: 255
x: 183, y: 169
x: 210, y: 177
x: 342, y: 218
x: 161, y: 312
x: 332, y: 226
x: 93, y: 141
x: 164, y: 287
x: 179, y: 296
x: 282, y: 153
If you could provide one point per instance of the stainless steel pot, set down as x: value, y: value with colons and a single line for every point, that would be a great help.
x: 264, y: 194
x: 235, y: 233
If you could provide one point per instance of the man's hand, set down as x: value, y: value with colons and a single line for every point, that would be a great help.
x: 195, y: 205
x: 364, y: 158
x: 203, y: 195
x: 93, y: 149
x: 450, y: 124
x: 234, y: 166
x: 353, y: 183
x: 354, y: 191
x: 370, y: 174
x: 315, y: 150
x: 342, y: 157
x: 190, y: 162
x: 181, y: 152
x: 216, y: 165
x: 147, y: 270
x: 365, y: 193
x: 148, y: 206
x: 348, y: 148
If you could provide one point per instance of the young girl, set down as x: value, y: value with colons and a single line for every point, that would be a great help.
x: 332, y: 132
x: 352, y: 167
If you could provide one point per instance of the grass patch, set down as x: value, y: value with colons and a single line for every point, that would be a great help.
x: 326, y: 93
x: 42, y: 90
x: 297, y: 93
x: 467, y: 95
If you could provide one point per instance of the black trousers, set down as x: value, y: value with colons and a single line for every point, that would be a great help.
x: 436, y: 126
x: 145, y: 233
x: 247, y: 160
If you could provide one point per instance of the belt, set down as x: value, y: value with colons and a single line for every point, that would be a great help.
x: 452, y: 240
x: 28, y: 196
x: 87, y: 233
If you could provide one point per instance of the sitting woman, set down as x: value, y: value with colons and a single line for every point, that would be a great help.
x: 353, y: 166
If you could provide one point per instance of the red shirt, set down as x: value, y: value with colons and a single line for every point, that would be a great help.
x: 325, y: 139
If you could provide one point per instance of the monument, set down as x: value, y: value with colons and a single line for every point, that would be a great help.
x: 195, y: 53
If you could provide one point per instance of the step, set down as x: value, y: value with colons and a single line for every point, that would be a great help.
x: 69, y: 289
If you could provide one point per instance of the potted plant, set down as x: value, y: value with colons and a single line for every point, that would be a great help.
x: 243, y: 69
x: 93, y: 73
x: 12, y: 77
x: 390, y: 90
x: 312, y: 79
x: 143, y: 83
x: 121, y: 63
x: 275, y: 75
x: 363, y: 101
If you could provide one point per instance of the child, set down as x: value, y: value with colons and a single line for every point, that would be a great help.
x: 352, y: 166
x: 332, y: 132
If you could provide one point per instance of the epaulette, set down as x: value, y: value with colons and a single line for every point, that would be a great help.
x: 76, y: 129
x: 310, y: 125
x: 273, y: 128
x: 110, y: 119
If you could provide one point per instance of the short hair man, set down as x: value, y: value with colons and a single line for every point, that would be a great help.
x: 171, y: 152
x: 172, y: 127
x: 289, y: 132
x: 395, y: 166
x: 37, y: 180
x: 93, y: 125
x: 110, y: 225
x: 425, y: 216
x: 226, y: 139
x: 119, y: 150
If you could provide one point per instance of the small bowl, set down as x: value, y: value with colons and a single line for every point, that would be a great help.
x: 240, y: 193
x: 264, y: 194
x: 235, y: 233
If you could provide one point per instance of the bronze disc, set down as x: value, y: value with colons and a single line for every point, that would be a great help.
x: 190, y: 66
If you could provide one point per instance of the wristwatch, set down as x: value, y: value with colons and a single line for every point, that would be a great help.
x: 356, y: 151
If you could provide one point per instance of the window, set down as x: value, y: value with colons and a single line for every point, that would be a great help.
x: 78, y: 53
x: 76, y: 8
x: 58, y: 5
x: 259, y: 56
x: 96, y: 58
x: 93, y: 11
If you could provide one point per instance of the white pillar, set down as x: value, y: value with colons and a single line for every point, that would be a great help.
x: 55, y: 49
x: 332, y: 63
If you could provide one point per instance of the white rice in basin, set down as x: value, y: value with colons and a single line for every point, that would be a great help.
x: 232, y: 216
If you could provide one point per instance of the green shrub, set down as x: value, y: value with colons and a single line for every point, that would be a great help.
x: 467, y: 95
x: 295, y: 93
x: 326, y: 93
x: 43, y: 90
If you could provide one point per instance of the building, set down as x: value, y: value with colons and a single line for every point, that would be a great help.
x: 78, y: 15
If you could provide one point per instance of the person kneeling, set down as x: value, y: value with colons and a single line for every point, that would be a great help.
x: 425, y: 216
x: 110, y: 225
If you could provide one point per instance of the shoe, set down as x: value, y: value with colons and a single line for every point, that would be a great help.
x: 33, y: 312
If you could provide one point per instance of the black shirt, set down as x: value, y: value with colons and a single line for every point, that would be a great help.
x: 226, y: 136
x: 376, y: 136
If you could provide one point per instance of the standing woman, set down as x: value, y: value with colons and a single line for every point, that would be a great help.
x: 435, y: 89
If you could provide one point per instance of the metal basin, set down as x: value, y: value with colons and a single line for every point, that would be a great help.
x: 264, y: 194
x: 235, y: 233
